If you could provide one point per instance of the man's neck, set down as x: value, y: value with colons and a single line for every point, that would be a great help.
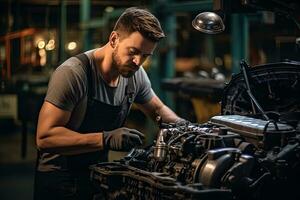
x: 103, y: 60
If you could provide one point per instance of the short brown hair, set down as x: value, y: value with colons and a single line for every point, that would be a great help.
x: 137, y: 19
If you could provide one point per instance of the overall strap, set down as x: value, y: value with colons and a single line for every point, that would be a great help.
x: 87, y: 68
x: 130, y: 89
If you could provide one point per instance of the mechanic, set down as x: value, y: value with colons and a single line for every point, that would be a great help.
x: 88, y: 99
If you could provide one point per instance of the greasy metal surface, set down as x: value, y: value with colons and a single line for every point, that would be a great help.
x: 241, y: 124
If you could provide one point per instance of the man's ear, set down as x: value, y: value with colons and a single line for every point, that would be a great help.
x: 113, y: 39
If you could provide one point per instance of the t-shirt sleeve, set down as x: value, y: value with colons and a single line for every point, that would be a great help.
x: 67, y: 85
x: 143, y: 85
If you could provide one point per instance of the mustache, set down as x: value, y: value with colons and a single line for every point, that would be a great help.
x: 132, y: 65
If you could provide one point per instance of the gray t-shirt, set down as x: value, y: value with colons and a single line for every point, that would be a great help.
x: 68, y: 88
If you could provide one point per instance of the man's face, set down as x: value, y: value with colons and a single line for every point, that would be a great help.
x: 130, y: 53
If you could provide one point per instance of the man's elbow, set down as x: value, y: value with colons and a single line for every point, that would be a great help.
x: 42, y: 141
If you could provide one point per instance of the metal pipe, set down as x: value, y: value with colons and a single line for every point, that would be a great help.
x: 243, y: 66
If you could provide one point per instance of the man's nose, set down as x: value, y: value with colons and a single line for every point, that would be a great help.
x: 137, y: 59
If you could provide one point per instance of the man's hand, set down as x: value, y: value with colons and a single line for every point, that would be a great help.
x: 122, y: 139
x: 181, y: 122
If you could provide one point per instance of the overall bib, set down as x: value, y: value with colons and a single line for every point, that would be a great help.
x: 74, y: 183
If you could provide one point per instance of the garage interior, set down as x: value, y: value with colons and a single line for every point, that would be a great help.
x: 191, y: 71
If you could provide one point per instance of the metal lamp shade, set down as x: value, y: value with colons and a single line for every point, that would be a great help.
x: 208, y: 22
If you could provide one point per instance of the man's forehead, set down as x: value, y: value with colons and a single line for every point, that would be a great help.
x: 136, y: 41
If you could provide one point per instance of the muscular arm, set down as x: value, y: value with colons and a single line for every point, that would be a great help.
x: 53, y: 136
x: 156, y: 107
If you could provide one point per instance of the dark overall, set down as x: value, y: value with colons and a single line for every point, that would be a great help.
x: 74, y: 182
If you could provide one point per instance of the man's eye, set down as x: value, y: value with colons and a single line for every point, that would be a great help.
x: 132, y: 52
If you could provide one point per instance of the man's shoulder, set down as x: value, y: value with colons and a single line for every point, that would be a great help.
x: 140, y: 72
x: 72, y: 65
x: 73, y: 61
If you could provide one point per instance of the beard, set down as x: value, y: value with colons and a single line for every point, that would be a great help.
x: 126, y: 70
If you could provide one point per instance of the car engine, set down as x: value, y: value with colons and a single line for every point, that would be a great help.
x: 250, y: 151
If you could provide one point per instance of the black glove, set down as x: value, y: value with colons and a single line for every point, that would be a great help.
x: 122, y: 139
x: 182, y: 122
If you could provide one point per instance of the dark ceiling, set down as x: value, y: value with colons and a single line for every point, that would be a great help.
x: 76, y: 2
x: 19, y: 14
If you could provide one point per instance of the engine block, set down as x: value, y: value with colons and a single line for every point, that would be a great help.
x: 244, y: 154
x: 214, y: 160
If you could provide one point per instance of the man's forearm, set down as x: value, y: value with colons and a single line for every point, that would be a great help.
x: 155, y: 107
x: 67, y: 142
x: 167, y: 114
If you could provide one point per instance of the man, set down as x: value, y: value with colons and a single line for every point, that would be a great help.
x: 87, y: 102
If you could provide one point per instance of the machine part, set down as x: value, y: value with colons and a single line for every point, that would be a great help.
x: 216, y: 163
x: 140, y: 184
x: 276, y: 87
x: 160, y: 149
x: 210, y: 141
x: 244, y: 68
x: 257, y: 131
x: 238, y: 155
x: 200, y: 161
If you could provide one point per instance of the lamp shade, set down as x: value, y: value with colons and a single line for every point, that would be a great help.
x: 208, y: 22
